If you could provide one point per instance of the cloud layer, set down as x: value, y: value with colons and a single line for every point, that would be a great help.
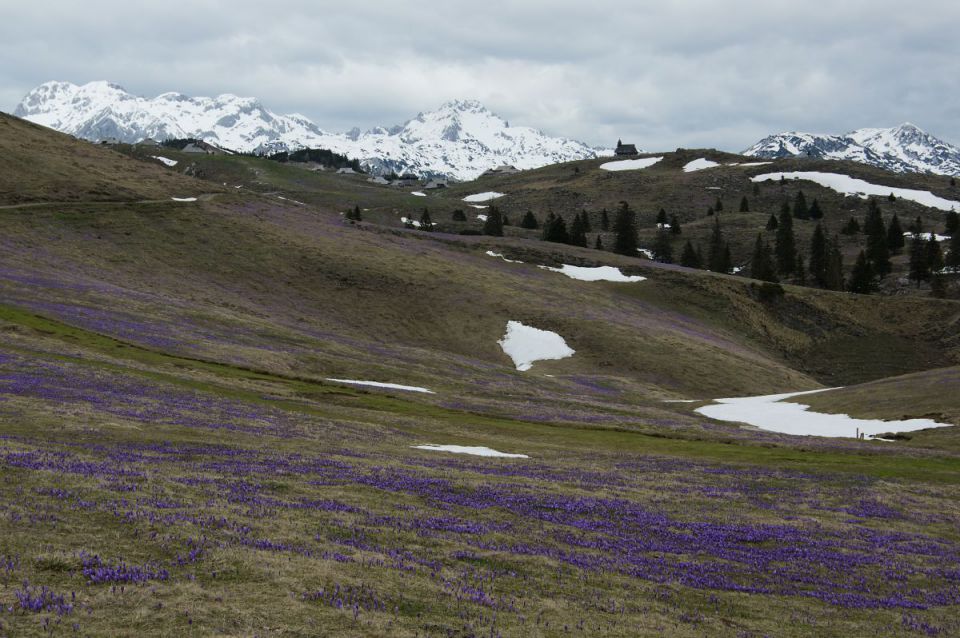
x: 691, y: 73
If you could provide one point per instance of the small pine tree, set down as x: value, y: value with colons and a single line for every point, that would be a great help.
x: 852, y: 227
x: 354, y: 214
x: 877, y: 251
x: 458, y: 216
x: 709, y: 211
x: 895, y: 240
x: 528, y: 221
x: 934, y: 255
x: 662, y: 250
x: 862, y: 277
x: 604, y: 220
x: 815, y: 212
x: 675, y: 225
x: 834, y: 275
x: 661, y: 217
x: 718, y: 259
x: 800, y: 271
x: 772, y: 223
x: 953, y: 256
x: 578, y: 236
x: 690, y: 257
x: 625, y: 229
x: 786, y: 249
x: 916, y: 227
x: 744, y: 205
x: 585, y: 220
x: 952, y: 223
x: 919, y: 264
x: 761, y: 265
x: 494, y: 224
x: 598, y: 245
x: 425, y: 222
x: 555, y: 230
x: 718, y: 207
x: 818, y: 257
x: 800, y: 210
x: 891, y: 197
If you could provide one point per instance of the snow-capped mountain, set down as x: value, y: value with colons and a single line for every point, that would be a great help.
x: 903, y: 149
x: 461, y: 139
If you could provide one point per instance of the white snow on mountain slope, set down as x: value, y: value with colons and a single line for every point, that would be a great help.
x: 902, y: 149
x: 461, y: 139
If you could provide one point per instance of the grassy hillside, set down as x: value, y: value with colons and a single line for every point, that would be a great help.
x: 174, y: 458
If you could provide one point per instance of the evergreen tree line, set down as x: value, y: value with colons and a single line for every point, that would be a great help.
x: 321, y: 156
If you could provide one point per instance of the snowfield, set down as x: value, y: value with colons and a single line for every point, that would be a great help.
x: 467, y: 449
x: 184, y: 199
x: 597, y: 273
x: 165, y: 160
x: 389, y: 386
x: 525, y: 345
x: 770, y: 413
x: 630, y: 165
x: 700, y: 164
x: 483, y: 197
x: 852, y: 186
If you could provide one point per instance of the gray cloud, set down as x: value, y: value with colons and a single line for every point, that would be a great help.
x: 683, y: 73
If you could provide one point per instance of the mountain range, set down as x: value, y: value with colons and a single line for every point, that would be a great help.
x: 461, y: 139
x: 902, y: 149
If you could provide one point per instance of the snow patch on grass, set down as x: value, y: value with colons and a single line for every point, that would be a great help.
x: 525, y: 345
x: 851, y: 186
x: 699, y: 165
x: 927, y: 236
x: 468, y: 449
x: 165, y: 160
x: 418, y: 194
x: 184, y: 199
x: 770, y: 413
x: 598, y: 273
x: 483, y: 197
x: 630, y: 165
x: 389, y: 386
x: 500, y: 255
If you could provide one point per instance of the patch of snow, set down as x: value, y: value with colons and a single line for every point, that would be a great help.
x: 663, y: 226
x: 418, y: 194
x: 413, y: 222
x: 598, y: 273
x: 389, y: 386
x: 852, y: 186
x: 525, y: 344
x: 714, y: 188
x: 770, y: 413
x: 679, y: 400
x: 467, y: 449
x: 752, y: 164
x: 500, y: 255
x: 184, y: 199
x: 645, y: 252
x: 482, y: 218
x: 630, y: 165
x: 736, y: 269
x: 927, y: 236
x: 166, y: 160
x: 483, y: 197
x: 478, y: 206
x: 700, y: 164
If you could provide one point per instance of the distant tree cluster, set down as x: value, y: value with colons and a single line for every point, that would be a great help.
x: 320, y: 156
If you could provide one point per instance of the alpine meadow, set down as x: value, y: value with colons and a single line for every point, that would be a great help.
x: 464, y: 377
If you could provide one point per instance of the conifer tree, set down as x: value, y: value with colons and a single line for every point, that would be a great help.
x: 895, y: 240
x: 662, y: 250
x: 934, y: 255
x: 458, y: 216
x: 599, y: 243
x: 916, y: 227
x: 604, y: 220
x: 815, y: 212
x: 800, y: 210
x: 674, y: 225
x: 625, y: 230
x: 494, y: 224
x: 425, y: 222
x: 761, y: 265
x: 354, y: 214
x: 661, y: 217
x: 953, y: 256
x: 718, y: 256
x: 585, y: 219
x: 578, y: 236
x: 690, y: 257
x: 547, y: 226
x: 800, y: 271
x: 529, y: 221
x: 718, y: 207
x: 786, y: 249
x: 772, y: 223
x: 818, y: 257
x: 555, y: 230
x: 862, y: 277
x: 919, y: 265
x: 744, y: 205
x: 834, y: 276
x: 852, y: 227
x: 709, y: 211
x: 506, y: 220
x: 952, y: 223
x: 877, y: 252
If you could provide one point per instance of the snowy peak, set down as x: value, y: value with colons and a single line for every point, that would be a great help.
x: 460, y: 139
x: 902, y: 149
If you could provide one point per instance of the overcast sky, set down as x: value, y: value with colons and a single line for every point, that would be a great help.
x: 659, y: 73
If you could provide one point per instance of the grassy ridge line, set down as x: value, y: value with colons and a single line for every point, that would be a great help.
x: 939, y: 470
